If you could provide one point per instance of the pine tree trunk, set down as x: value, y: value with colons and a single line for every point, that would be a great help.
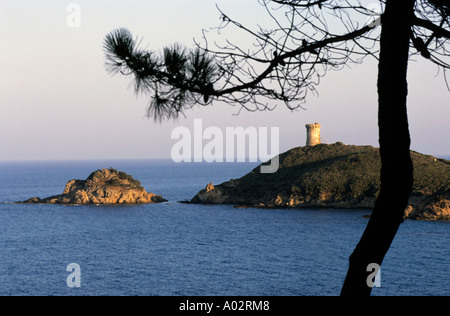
x: 394, y: 139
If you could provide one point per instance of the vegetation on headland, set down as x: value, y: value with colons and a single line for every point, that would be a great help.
x: 335, y: 176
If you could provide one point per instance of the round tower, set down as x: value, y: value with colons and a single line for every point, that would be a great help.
x: 312, y: 134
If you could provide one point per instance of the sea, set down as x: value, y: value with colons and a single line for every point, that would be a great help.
x: 178, y: 249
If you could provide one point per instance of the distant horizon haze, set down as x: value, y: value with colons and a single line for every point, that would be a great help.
x: 57, y: 102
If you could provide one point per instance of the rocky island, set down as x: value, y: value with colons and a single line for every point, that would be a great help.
x: 106, y: 186
x: 334, y: 176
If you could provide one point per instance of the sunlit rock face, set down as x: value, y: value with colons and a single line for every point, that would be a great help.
x: 106, y: 186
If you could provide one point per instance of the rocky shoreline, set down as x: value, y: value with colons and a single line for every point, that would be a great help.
x: 334, y: 176
x: 106, y: 186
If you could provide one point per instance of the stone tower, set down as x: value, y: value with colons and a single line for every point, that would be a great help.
x: 312, y: 134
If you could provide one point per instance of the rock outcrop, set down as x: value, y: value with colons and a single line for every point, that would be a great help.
x: 334, y: 176
x: 106, y: 186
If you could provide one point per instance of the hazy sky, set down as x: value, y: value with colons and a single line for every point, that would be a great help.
x: 58, y: 102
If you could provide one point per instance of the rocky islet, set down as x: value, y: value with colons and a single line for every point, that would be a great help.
x: 106, y: 186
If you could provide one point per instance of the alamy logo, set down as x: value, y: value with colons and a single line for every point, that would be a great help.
x: 74, y: 15
x: 374, y: 278
x: 74, y: 278
x: 213, y: 145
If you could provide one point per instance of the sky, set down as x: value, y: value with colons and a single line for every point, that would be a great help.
x: 57, y: 102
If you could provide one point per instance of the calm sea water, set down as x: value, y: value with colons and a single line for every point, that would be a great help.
x: 180, y: 249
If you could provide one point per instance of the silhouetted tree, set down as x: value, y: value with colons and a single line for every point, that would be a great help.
x: 303, y: 39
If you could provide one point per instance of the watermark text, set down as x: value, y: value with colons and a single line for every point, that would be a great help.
x: 212, y: 144
x: 74, y: 278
